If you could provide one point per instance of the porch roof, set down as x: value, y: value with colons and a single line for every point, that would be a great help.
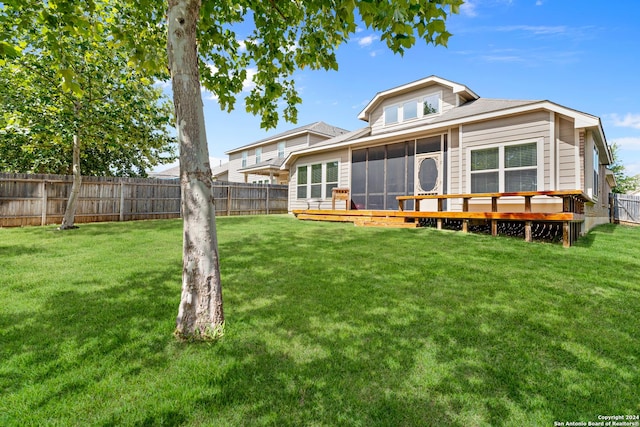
x: 267, y: 167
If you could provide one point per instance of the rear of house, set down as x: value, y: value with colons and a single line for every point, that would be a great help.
x: 434, y: 137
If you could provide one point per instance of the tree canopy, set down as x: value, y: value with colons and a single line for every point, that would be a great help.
x: 61, y: 80
x: 624, y: 182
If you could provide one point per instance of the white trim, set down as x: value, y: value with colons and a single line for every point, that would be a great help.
x: 456, y: 87
x: 447, y: 155
x: 552, y: 152
x: 417, y: 131
x: 576, y: 153
x: 418, y: 102
x: 323, y: 182
x: 501, y: 169
x: 460, y: 162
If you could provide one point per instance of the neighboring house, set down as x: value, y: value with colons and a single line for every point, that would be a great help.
x: 435, y: 136
x: 261, y: 161
x: 220, y: 173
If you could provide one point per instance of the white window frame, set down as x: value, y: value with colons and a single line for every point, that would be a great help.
x: 258, y: 155
x: 386, y: 115
x: 501, y: 168
x: 245, y: 155
x: 424, y: 98
x: 399, y: 109
x: 281, y: 148
x: 324, y: 194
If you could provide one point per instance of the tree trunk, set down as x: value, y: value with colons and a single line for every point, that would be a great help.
x: 72, y: 203
x: 200, y: 315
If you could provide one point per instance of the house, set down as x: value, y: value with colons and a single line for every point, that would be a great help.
x: 219, y: 173
x: 434, y: 136
x: 261, y: 161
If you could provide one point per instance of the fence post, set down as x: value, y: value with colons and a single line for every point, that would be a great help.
x: 121, y: 200
x: 268, y: 185
x: 228, y: 200
x: 43, y: 221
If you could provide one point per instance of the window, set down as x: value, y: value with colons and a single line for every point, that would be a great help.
x: 391, y: 115
x: 302, y: 182
x: 409, y: 110
x: 281, y: 150
x: 413, y: 109
x: 506, y: 168
x: 484, y: 171
x: 331, y: 177
x: 521, y: 167
x: 431, y: 104
x: 244, y: 159
x: 317, y: 180
x: 258, y: 155
x: 596, y: 172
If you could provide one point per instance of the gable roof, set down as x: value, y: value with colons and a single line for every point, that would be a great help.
x: 318, y: 128
x: 458, y: 89
x: 474, y: 111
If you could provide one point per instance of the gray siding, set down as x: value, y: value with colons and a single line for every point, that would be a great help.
x: 343, y: 178
x: 269, y: 151
x: 377, y: 116
x: 531, y: 126
x: 567, y: 155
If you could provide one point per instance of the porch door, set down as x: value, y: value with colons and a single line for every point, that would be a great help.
x: 428, y: 179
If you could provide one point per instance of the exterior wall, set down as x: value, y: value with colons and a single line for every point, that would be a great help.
x: 376, y: 121
x: 342, y: 156
x: 596, y: 213
x: 454, y: 171
x: 568, y: 155
x: 269, y: 151
x: 525, y: 127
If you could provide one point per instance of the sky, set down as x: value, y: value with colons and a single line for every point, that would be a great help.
x: 582, y: 54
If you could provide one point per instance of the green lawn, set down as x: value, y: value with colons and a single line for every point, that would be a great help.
x: 327, y: 324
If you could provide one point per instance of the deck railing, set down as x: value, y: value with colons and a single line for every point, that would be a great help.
x: 571, y: 216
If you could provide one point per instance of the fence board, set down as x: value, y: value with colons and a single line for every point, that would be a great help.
x: 626, y: 208
x: 41, y: 199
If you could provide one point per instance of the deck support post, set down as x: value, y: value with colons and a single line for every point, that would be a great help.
x: 527, y: 231
x: 465, y: 225
x: 566, y: 234
x: 439, y: 223
x: 494, y: 227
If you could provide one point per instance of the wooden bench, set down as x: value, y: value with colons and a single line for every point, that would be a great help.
x: 340, y: 194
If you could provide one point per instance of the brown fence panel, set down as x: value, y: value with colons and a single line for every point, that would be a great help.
x: 28, y: 199
x: 626, y: 208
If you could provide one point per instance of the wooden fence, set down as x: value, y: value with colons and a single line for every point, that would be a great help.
x: 626, y: 208
x: 27, y: 199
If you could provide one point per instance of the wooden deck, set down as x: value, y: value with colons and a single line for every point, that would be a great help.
x: 570, y: 219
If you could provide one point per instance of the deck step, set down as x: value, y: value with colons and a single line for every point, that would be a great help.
x: 380, y: 222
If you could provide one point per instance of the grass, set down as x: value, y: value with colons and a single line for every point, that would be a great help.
x: 327, y: 324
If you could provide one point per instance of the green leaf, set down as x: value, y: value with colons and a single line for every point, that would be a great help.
x: 8, y: 50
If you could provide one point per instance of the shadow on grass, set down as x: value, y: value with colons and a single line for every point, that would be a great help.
x: 395, y: 327
x: 82, y: 336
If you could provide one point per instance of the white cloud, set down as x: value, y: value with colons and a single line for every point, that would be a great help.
x: 366, y: 41
x: 627, y: 143
x: 535, y: 29
x: 628, y: 121
x: 243, y: 46
x: 539, y: 3
x: 468, y: 9
x: 248, y: 83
